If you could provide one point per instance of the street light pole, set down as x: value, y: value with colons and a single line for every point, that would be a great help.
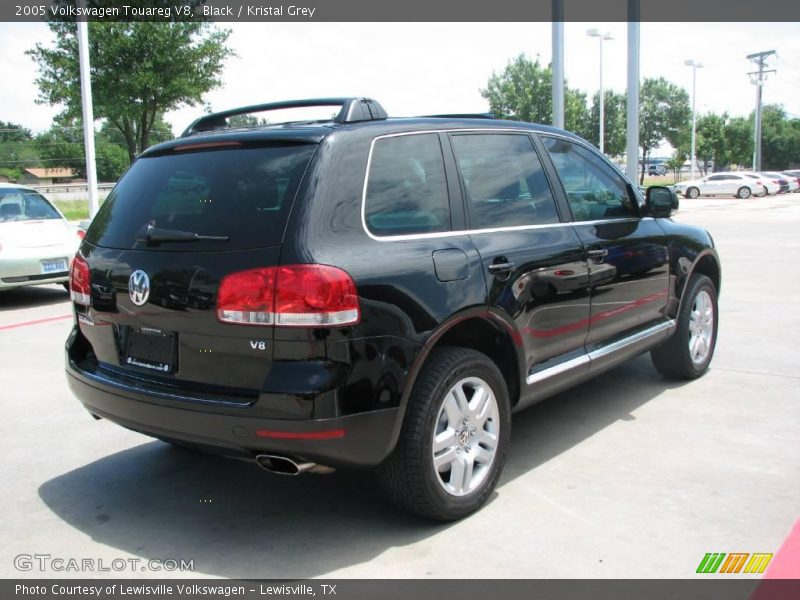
x: 601, y: 37
x: 695, y: 65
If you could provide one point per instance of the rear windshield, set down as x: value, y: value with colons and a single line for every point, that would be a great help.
x: 243, y: 193
x: 24, y: 205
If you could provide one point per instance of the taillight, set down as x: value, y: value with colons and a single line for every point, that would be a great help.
x: 80, y: 287
x: 81, y: 233
x: 289, y: 296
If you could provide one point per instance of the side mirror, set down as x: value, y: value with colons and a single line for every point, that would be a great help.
x: 661, y: 201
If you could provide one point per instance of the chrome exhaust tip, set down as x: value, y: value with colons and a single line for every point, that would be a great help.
x: 283, y: 465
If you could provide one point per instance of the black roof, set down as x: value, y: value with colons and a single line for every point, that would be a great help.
x: 210, y: 129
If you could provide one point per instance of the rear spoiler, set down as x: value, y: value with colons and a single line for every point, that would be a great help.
x: 353, y: 110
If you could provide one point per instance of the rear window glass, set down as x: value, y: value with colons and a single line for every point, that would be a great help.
x: 244, y: 193
x: 24, y: 205
x: 407, y: 187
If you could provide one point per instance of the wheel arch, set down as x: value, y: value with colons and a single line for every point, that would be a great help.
x: 480, y: 330
x: 706, y: 263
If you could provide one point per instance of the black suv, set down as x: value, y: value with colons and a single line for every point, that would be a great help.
x: 376, y: 293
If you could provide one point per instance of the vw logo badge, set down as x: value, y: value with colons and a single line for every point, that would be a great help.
x: 139, y: 287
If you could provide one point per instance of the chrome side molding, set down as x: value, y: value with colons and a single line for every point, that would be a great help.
x: 603, y: 351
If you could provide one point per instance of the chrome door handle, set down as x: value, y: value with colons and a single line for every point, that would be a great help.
x: 504, y: 267
x: 597, y: 253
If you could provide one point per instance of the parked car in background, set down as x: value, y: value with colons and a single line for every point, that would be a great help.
x: 721, y: 184
x: 656, y: 169
x: 771, y: 185
x: 36, y: 241
x: 793, y: 175
x: 781, y: 180
x: 788, y: 184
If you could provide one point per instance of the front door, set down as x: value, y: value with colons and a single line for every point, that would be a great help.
x: 628, y: 262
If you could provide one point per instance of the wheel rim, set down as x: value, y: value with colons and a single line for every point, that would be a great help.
x: 744, y: 193
x: 701, y: 327
x: 466, y: 436
x: 694, y: 193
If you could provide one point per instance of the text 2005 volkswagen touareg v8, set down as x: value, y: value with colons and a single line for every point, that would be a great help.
x: 376, y: 292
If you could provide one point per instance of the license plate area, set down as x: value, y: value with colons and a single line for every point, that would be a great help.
x: 149, y: 349
x: 57, y: 265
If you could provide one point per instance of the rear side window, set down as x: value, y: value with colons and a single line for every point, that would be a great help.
x: 406, y: 186
x: 243, y: 193
x: 24, y: 205
x: 504, y: 181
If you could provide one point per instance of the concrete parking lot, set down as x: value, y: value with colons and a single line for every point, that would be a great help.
x: 629, y: 475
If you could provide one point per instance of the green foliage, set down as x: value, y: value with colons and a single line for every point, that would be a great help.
x: 140, y: 70
x: 615, y: 122
x: 711, y: 144
x: 523, y: 91
x: 739, y: 141
x: 16, y: 152
x: 664, y: 114
x: 780, y: 147
x: 63, y: 147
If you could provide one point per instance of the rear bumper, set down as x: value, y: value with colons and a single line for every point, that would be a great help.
x: 366, y: 441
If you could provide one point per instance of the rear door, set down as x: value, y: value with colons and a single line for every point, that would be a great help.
x: 627, y: 253
x: 152, y: 312
x: 535, y: 266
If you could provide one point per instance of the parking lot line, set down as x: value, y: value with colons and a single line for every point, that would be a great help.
x: 34, y: 322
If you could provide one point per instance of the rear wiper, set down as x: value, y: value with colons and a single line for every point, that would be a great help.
x: 156, y: 235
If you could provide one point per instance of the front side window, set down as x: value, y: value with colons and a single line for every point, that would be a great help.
x: 407, y: 187
x: 504, y: 181
x: 594, y: 190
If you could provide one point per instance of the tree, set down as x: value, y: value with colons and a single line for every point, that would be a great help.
x: 710, y: 142
x: 739, y: 141
x: 523, y: 91
x: 615, y: 122
x: 62, y: 146
x: 780, y: 145
x: 140, y: 70
x: 663, y: 116
x: 16, y: 150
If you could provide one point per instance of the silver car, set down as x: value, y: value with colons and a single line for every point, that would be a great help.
x: 36, y: 241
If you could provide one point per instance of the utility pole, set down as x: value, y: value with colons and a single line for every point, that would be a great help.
x: 87, y: 111
x: 632, y: 135
x: 558, y: 63
x: 695, y: 65
x: 757, y: 78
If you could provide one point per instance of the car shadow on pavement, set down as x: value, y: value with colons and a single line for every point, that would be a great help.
x: 29, y: 297
x: 234, y: 520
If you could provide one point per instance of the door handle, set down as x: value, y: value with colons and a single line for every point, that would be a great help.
x: 501, y: 267
x: 597, y: 253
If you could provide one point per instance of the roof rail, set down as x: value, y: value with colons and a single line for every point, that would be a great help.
x: 487, y: 115
x: 353, y: 110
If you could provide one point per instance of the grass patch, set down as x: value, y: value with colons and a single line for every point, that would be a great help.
x: 74, y: 210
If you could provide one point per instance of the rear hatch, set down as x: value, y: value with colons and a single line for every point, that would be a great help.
x: 174, y: 227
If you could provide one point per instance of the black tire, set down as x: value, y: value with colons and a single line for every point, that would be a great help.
x: 673, y: 358
x: 692, y: 193
x: 744, y: 193
x: 408, y: 475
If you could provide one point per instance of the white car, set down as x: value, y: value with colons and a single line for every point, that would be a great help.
x: 36, y: 241
x: 721, y: 184
x: 771, y: 185
x: 790, y: 181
